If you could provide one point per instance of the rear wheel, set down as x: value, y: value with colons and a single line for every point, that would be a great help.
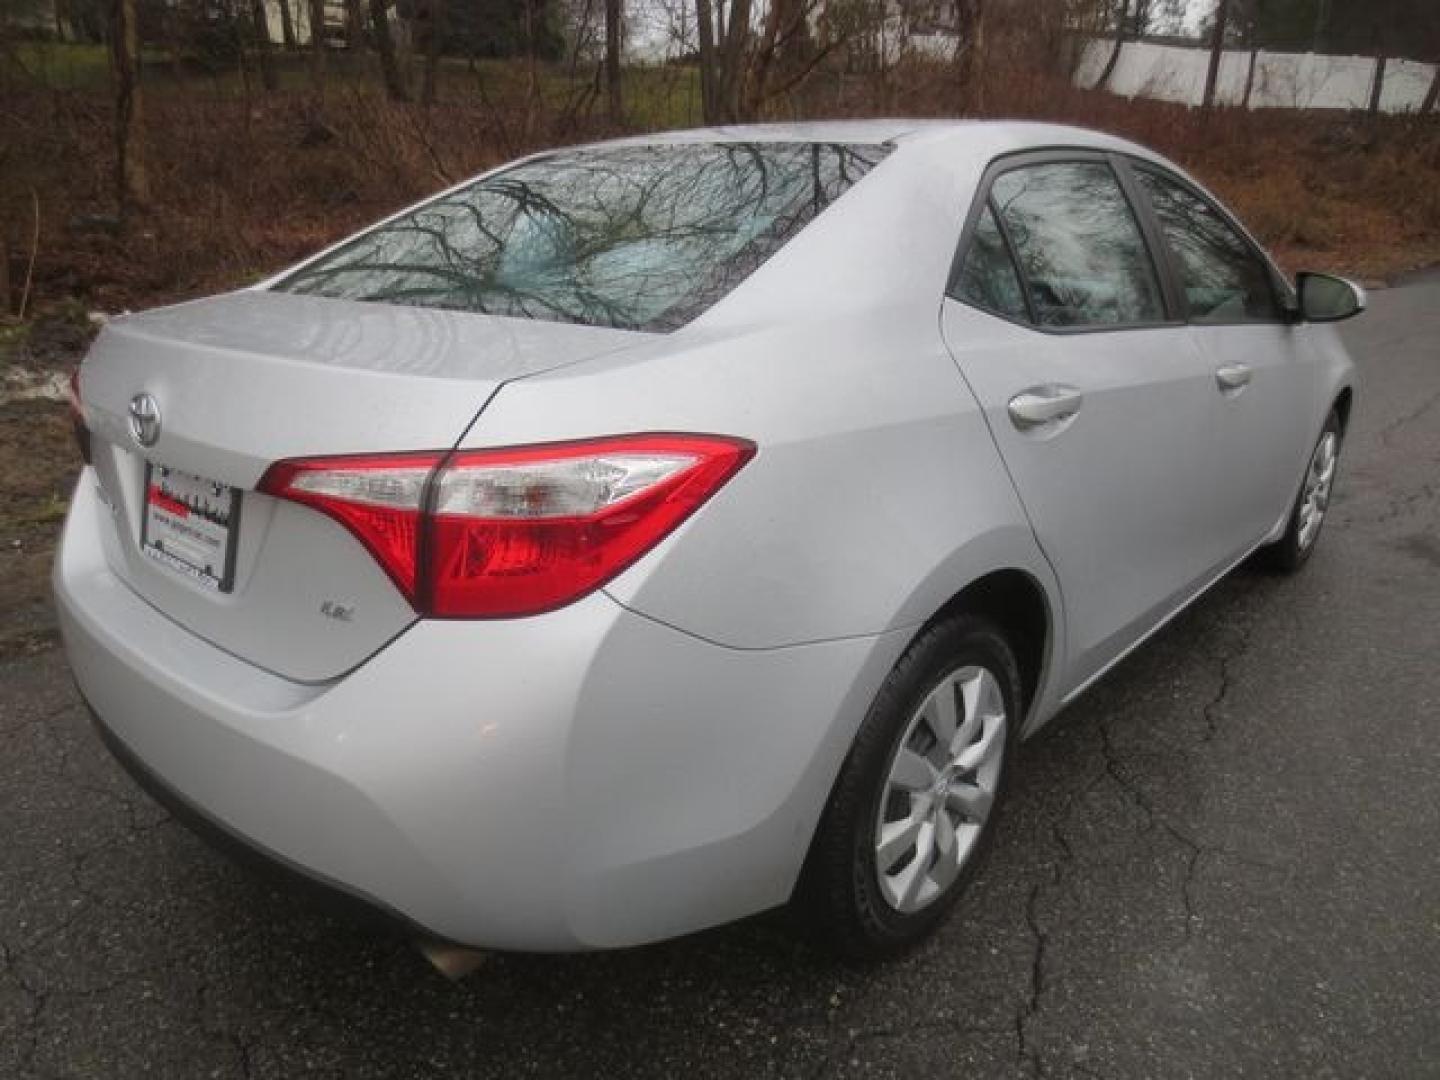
x: 914, y: 808
x: 1293, y: 549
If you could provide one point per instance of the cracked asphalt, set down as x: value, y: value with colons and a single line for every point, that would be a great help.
x: 1221, y: 862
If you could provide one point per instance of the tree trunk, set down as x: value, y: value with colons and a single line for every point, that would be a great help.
x: 758, y: 73
x: 1104, y: 80
x: 732, y: 62
x: 261, y: 31
x: 1322, y: 24
x: 317, y: 54
x: 385, y: 46
x: 1377, y: 85
x: 970, y: 30
x: 705, y: 25
x: 532, y: 70
x: 612, y: 59
x: 1252, y: 41
x: 1433, y: 94
x: 132, y: 183
x: 6, y: 301
x: 354, y: 25
x: 434, y: 33
x: 1217, y: 50
x: 287, y: 25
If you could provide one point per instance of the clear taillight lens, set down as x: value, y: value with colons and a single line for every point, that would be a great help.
x: 376, y: 496
x: 517, y: 531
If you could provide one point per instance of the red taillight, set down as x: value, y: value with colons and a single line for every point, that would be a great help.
x: 77, y: 416
x: 377, y: 497
x: 493, y: 533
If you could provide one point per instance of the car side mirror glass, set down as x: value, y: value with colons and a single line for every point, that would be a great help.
x: 1326, y: 298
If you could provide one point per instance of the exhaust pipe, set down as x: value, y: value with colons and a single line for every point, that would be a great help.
x: 452, y: 961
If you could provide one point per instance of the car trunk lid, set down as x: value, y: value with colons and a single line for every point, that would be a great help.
x: 239, y: 381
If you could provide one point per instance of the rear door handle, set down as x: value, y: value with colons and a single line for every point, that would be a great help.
x: 1233, y: 376
x: 1042, y: 405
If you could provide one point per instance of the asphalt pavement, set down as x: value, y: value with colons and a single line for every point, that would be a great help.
x: 1223, y: 861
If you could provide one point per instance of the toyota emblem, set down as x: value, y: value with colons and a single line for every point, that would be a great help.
x: 144, y: 419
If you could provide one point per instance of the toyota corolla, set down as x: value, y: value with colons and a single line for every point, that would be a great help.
x: 650, y: 533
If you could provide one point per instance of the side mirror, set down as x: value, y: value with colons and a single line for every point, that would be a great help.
x: 1326, y: 298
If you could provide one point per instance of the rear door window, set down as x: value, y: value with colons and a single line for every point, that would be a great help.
x: 988, y: 278
x: 1222, y: 277
x: 1079, y: 246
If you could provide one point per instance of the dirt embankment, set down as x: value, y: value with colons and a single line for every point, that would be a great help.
x: 38, y: 465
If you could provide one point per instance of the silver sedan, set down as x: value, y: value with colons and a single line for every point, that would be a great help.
x: 650, y: 533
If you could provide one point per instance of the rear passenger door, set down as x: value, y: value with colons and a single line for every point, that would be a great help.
x: 1235, y: 303
x: 1094, y: 390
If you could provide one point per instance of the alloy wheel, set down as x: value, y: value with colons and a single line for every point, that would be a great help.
x: 940, y: 788
x: 1315, y: 497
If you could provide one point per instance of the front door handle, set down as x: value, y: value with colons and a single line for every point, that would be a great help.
x: 1233, y: 376
x: 1043, y: 405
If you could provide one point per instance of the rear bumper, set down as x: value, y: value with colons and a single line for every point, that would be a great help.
x: 588, y: 778
x: 242, y: 850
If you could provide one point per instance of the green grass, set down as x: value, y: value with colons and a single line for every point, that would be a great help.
x: 70, y: 66
x: 654, y: 97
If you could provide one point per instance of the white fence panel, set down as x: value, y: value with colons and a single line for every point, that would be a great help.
x: 1282, y: 80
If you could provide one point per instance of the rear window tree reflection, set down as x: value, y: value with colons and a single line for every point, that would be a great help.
x: 643, y: 237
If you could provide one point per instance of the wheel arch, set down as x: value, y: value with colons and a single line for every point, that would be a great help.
x: 1016, y: 602
x: 1341, y: 406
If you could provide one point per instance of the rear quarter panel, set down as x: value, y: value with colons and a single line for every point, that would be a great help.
x: 875, y: 495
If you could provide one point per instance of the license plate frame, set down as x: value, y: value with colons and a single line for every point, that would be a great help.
x: 189, y: 523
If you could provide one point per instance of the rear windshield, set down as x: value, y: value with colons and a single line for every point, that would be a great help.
x: 633, y: 237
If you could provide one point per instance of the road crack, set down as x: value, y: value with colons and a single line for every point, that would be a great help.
x: 1225, y: 661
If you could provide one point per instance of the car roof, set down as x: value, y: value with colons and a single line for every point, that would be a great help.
x: 900, y: 131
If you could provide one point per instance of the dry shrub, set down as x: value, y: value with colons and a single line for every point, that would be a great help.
x: 245, y: 184
x: 1323, y: 190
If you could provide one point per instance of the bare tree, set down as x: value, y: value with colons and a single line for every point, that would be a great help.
x: 287, y: 24
x: 613, y: 31
x: 970, y: 50
x: 1252, y: 24
x: 132, y: 182
x: 1121, y: 24
x: 1322, y: 22
x: 6, y: 304
x: 732, y: 59
x: 784, y: 21
x: 260, y: 34
x: 1217, y: 50
x: 385, y: 46
x: 317, y: 52
x: 1377, y: 85
x: 434, y: 33
x: 705, y: 31
x: 744, y: 65
x: 355, y: 25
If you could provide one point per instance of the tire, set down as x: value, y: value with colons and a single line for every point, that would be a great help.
x: 1302, y: 531
x: 867, y: 906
